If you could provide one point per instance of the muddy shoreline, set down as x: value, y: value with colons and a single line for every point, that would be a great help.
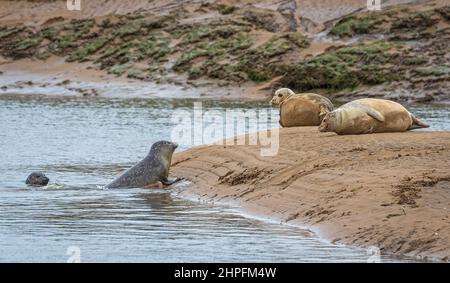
x: 384, y: 190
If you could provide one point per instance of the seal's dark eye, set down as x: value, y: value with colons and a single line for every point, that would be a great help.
x: 280, y: 95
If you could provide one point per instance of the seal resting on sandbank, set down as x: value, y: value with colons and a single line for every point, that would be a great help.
x: 304, y: 109
x: 152, y: 171
x: 37, y: 179
x: 370, y: 115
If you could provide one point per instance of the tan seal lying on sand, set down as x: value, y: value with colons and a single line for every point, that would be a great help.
x: 370, y: 115
x: 152, y: 171
x: 305, y: 109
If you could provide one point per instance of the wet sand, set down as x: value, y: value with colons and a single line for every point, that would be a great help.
x: 387, y: 190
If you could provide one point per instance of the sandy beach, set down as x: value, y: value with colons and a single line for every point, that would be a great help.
x: 385, y: 190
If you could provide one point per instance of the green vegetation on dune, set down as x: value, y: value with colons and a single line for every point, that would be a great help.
x: 27, y: 43
x: 389, y: 21
x: 418, y: 20
x: 22, y: 46
x: 90, y: 48
x: 444, y: 12
x: 343, y: 68
x: 358, y: 25
x: 400, y: 57
x: 225, y: 9
x: 254, y: 63
x: 117, y: 44
x: 7, y: 32
x: 247, y: 44
x: 119, y: 69
x: 154, y: 46
x: 214, y: 43
x: 212, y: 32
x: 437, y: 71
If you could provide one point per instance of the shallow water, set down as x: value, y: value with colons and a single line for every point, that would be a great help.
x: 81, y: 144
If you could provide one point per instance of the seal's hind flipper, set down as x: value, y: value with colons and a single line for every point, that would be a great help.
x: 417, y: 124
x: 374, y: 114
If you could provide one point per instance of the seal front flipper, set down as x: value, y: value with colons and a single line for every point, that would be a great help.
x: 374, y: 114
x: 168, y: 182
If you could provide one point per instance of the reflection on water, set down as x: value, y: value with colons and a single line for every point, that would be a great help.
x: 81, y: 144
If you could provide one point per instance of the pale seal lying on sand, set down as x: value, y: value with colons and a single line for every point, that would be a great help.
x: 37, y: 179
x: 370, y: 115
x: 152, y: 171
x: 305, y: 109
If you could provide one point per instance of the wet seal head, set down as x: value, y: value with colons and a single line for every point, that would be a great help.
x: 327, y: 122
x: 281, y: 95
x: 37, y: 179
x: 163, y: 148
x: 152, y: 171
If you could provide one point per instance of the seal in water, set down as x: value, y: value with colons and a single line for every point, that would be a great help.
x: 152, y: 171
x: 303, y: 109
x: 37, y: 179
x: 370, y: 115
